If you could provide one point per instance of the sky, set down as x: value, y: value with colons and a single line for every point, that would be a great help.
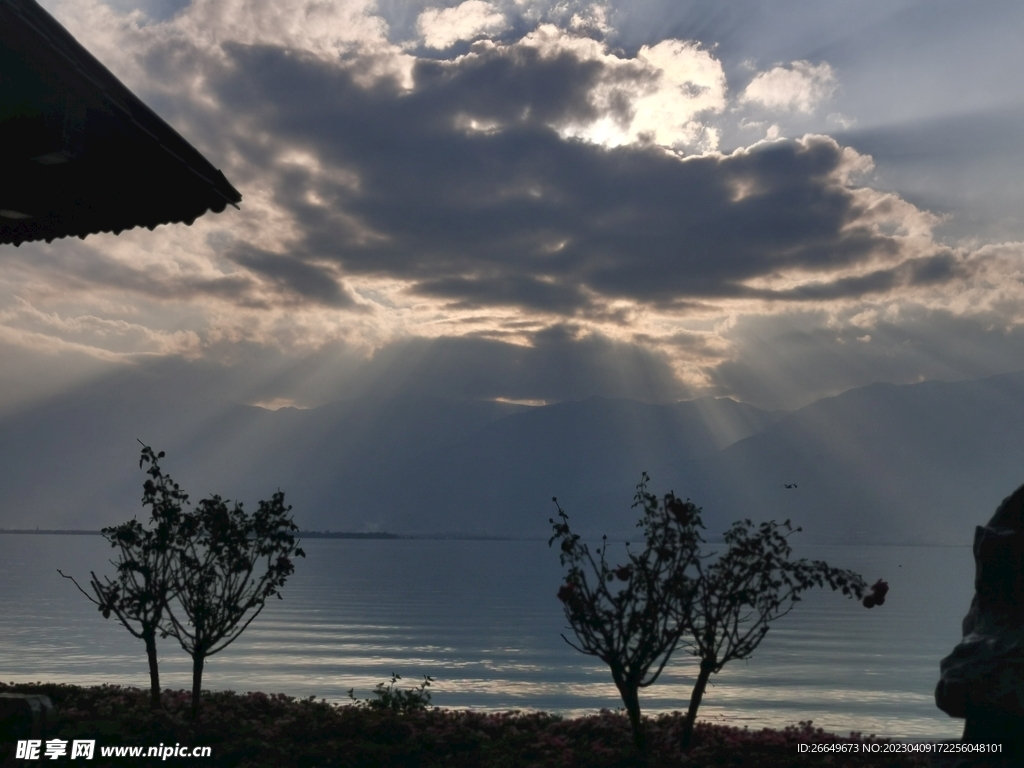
x: 771, y: 200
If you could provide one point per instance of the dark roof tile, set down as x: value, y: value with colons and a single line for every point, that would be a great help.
x: 79, y: 152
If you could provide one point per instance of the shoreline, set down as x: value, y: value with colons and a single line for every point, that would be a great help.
x: 383, y: 535
x: 308, y: 535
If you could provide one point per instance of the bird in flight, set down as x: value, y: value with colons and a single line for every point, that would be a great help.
x: 789, y: 485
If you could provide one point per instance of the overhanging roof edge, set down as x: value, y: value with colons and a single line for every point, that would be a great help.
x: 64, y: 44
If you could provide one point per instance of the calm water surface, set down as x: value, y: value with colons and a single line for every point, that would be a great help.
x: 481, y: 617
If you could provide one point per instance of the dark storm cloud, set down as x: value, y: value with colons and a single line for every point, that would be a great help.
x: 503, y: 83
x: 509, y: 289
x: 559, y: 364
x: 929, y: 270
x: 292, y: 275
x: 512, y: 213
x: 81, y: 266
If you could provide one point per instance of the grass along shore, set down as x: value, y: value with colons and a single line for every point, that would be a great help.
x: 257, y: 729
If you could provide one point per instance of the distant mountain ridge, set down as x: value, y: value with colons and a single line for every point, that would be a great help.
x: 883, y: 463
x: 917, y: 463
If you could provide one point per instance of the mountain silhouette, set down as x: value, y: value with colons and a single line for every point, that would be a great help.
x: 916, y: 463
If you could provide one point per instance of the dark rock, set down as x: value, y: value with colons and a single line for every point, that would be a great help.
x: 25, y: 716
x: 982, y: 680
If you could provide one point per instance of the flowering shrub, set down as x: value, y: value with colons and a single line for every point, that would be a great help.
x: 253, y: 730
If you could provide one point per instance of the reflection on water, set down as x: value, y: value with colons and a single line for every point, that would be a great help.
x: 482, y: 618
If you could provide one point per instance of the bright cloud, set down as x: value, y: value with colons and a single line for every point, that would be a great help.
x: 690, y: 81
x: 333, y: 30
x: 801, y: 87
x: 656, y: 97
x: 443, y: 27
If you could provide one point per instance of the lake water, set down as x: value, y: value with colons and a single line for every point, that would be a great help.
x: 482, y: 618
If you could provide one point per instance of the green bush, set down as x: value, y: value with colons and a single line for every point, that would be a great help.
x: 396, y: 700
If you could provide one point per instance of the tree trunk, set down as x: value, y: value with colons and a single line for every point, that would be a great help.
x: 154, y: 670
x: 695, y: 698
x: 631, y: 698
x: 198, y: 659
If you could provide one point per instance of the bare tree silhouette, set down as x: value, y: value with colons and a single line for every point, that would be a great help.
x: 140, y: 594
x: 672, y: 594
x: 635, y: 628
x: 201, y: 576
x: 738, y: 595
x: 229, y: 564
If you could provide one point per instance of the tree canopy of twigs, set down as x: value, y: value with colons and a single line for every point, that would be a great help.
x: 140, y: 593
x: 632, y: 616
x: 229, y: 564
x: 719, y: 607
x: 200, y: 575
x: 747, y: 587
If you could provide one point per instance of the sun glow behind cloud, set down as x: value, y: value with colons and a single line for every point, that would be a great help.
x: 654, y: 97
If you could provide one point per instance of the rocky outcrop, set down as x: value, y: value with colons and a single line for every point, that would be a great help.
x: 24, y: 716
x: 982, y: 680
